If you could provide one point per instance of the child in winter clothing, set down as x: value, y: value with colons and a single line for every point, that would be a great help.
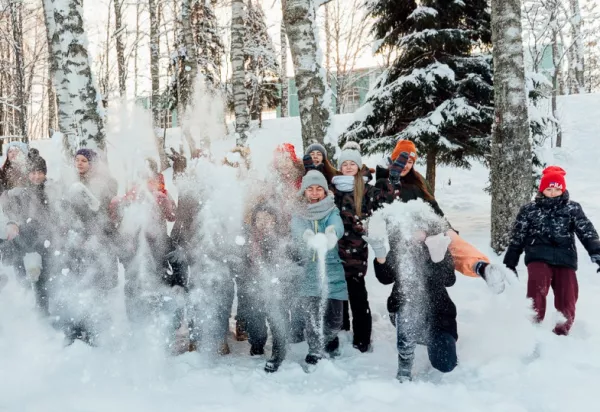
x: 356, y: 201
x: 419, y: 304
x: 266, y: 284
x: 545, y: 229
x: 323, y: 298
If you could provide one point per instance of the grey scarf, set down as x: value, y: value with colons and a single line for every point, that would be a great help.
x: 317, y: 211
x: 345, y: 183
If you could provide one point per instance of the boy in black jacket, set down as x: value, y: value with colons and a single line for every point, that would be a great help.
x: 545, y: 229
x: 419, y: 304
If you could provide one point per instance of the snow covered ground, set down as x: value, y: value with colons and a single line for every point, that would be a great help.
x: 506, y: 363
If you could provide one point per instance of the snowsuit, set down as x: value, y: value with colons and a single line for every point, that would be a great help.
x: 545, y: 229
x: 419, y: 305
x: 144, y: 247
x: 354, y: 253
x: 321, y: 307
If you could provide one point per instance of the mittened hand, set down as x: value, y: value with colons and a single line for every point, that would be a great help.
x: 397, y: 167
x: 308, y: 162
x: 378, y: 245
x: 308, y: 235
x: 332, y: 238
x: 437, y: 246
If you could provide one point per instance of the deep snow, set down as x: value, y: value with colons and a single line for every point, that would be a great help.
x: 506, y: 363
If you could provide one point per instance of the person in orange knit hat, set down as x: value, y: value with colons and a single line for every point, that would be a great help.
x: 468, y: 260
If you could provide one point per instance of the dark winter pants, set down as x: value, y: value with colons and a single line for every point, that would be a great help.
x: 212, y: 309
x: 563, y: 281
x: 256, y: 318
x: 324, y: 320
x: 361, y: 312
x: 441, y: 347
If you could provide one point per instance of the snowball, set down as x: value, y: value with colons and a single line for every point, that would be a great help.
x: 46, y: 244
x: 240, y: 241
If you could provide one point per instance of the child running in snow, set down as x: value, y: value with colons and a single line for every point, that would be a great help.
x: 323, y: 298
x: 545, y: 229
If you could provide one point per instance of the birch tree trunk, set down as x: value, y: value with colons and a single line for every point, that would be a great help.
x: 578, y: 49
x: 16, y: 16
x: 136, y: 47
x: 154, y: 60
x: 555, y: 82
x: 511, y: 168
x: 119, y: 28
x: 284, y: 77
x: 191, y: 61
x: 238, y: 75
x: 79, y: 113
x: 302, y: 34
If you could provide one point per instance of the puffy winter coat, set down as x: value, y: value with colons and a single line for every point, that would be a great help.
x: 353, y: 249
x: 545, y: 229
x: 311, y: 283
x: 423, y: 289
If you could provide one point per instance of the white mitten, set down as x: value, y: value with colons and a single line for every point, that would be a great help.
x: 33, y: 266
x: 332, y: 238
x: 437, y: 246
x: 308, y: 235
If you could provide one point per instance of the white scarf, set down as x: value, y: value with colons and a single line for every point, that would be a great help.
x: 345, y: 183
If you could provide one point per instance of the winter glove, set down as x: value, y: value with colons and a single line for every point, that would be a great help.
x: 495, y: 276
x: 378, y: 245
x: 397, y: 167
x: 596, y: 260
x: 308, y: 235
x: 437, y: 246
x: 332, y: 237
x: 179, y: 162
x: 308, y: 163
x: 33, y: 266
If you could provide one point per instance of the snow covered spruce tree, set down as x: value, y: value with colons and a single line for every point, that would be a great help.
x: 511, y: 169
x: 313, y: 93
x: 240, y: 103
x: 80, y: 116
x: 260, y: 62
x: 438, y: 92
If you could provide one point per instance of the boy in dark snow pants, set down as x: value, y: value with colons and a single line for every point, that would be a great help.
x: 545, y: 229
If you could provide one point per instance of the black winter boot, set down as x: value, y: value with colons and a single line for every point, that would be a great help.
x: 333, y: 348
x: 257, y: 350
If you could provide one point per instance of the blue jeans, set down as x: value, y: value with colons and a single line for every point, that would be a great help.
x: 441, y: 346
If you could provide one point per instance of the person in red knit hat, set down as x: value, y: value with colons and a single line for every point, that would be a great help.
x: 545, y: 230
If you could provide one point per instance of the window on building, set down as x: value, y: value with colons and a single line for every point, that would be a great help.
x: 166, y: 119
x: 351, y: 101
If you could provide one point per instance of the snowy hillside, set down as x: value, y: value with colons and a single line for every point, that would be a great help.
x: 505, y: 362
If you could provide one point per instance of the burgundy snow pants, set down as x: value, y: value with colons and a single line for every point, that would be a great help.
x: 563, y: 281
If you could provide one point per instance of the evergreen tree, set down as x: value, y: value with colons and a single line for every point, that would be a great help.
x: 438, y: 91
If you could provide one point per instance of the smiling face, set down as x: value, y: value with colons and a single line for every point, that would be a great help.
x: 314, y: 194
x: 317, y: 157
x: 409, y: 165
x: 349, y: 168
x: 37, y: 177
x: 82, y: 164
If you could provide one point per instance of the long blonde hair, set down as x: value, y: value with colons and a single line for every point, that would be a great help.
x: 359, y: 193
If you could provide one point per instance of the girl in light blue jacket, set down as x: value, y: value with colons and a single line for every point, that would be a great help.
x: 323, y: 296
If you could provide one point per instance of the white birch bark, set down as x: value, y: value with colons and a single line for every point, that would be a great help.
x: 578, y: 47
x: 238, y: 76
x: 302, y: 34
x: 511, y: 168
x: 16, y: 17
x: 119, y: 40
x: 79, y: 104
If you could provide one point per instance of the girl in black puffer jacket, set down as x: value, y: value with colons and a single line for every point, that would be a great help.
x: 419, y: 304
x: 545, y: 229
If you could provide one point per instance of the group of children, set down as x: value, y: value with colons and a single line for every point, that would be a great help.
x: 300, y: 268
